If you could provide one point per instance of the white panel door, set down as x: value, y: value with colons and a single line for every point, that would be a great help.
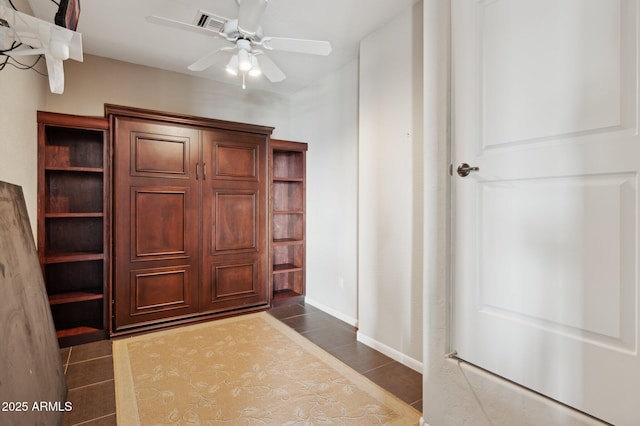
x: 545, y: 233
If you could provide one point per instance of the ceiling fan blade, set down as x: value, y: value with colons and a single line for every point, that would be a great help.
x: 181, y: 25
x: 205, y: 62
x: 311, y: 47
x: 270, y: 69
x: 249, y: 14
x: 26, y: 52
x: 75, y: 47
x: 55, y: 70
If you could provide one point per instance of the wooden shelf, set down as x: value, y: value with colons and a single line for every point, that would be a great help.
x: 286, y: 241
x: 77, y: 331
x: 74, y: 169
x: 286, y: 297
x: 287, y: 179
x: 71, y: 215
x: 284, y: 294
x: 288, y: 212
x: 73, y: 223
x: 73, y: 192
x: 73, y: 297
x: 72, y: 257
x: 285, y: 267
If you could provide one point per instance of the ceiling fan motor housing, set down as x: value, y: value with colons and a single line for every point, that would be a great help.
x: 249, y: 14
x: 232, y: 32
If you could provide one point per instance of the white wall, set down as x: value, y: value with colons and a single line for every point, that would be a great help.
x: 96, y: 81
x: 22, y: 93
x: 457, y: 393
x: 325, y: 115
x: 390, y: 189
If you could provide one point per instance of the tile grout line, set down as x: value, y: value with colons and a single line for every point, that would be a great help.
x: 378, y: 367
x: 92, y: 384
x: 94, y: 419
x: 91, y: 359
x: 66, y: 364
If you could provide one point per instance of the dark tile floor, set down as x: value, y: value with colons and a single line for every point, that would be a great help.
x: 89, y: 372
x: 339, y: 339
x: 89, y: 368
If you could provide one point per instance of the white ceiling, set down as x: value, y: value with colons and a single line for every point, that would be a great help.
x: 118, y: 29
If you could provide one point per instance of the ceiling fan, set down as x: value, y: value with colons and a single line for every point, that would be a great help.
x: 248, y: 44
x: 56, y: 43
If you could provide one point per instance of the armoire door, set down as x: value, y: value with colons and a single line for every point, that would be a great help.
x: 156, y: 206
x: 234, y: 269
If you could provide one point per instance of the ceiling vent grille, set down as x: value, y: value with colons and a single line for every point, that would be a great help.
x: 209, y: 21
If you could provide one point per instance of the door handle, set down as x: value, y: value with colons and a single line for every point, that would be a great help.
x: 464, y: 169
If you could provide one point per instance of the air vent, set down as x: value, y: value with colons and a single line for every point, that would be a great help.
x: 209, y: 21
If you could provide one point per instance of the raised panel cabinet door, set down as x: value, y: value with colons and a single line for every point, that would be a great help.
x: 156, y: 201
x: 234, y: 267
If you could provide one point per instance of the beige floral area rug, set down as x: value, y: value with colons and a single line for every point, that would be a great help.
x: 247, y: 370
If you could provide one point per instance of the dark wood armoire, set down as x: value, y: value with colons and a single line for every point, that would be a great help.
x: 190, y: 218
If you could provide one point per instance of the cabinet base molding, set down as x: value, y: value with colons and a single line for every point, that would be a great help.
x: 285, y: 298
x: 180, y: 322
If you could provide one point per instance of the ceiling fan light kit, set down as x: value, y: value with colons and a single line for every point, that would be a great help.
x: 244, y: 63
x: 255, y: 70
x: 246, y: 36
x: 232, y: 66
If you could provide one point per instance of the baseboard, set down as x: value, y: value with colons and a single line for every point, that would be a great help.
x: 342, y: 317
x: 390, y: 352
x: 380, y: 347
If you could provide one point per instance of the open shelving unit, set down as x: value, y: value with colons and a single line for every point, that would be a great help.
x: 73, y: 223
x: 287, y: 201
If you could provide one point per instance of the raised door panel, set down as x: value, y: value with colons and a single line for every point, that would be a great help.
x: 159, y: 290
x: 160, y: 155
x: 236, y: 161
x: 234, y: 221
x: 233, y: 283
x: 151, y: 206
x: 156, y: 223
